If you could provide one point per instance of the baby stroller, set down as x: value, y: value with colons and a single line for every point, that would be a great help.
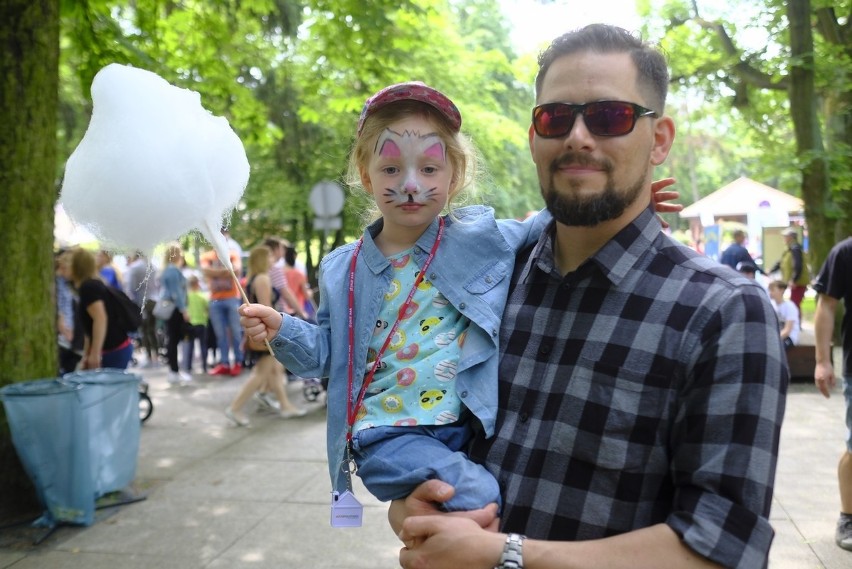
x: 313, y: 387
x: 146, y: 406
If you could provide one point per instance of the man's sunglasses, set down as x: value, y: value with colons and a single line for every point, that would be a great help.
x: 602, y: 118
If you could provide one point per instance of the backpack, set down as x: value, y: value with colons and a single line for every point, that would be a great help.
x: 129, y: 314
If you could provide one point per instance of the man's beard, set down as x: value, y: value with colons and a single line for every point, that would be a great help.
x: 570, y: 209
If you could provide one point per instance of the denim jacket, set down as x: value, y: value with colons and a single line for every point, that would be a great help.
x: 472, y: 269
x: 173, y: 286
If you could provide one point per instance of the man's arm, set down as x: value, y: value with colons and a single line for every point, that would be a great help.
x: 823, y: 330
x: 460, y: 540
x: 451, y: 542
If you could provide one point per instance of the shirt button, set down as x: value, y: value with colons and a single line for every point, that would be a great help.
x: 432, y: 276
x: 462, y: 306
x: 488, y: 279
x: 463, y: 394
x: 524, y: 417
x: 544, y: 349
x: 494, y: 332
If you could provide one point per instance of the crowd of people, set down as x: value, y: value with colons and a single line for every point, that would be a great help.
x: 201, y: 317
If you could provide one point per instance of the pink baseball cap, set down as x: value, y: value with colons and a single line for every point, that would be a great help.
x: 412, y: 91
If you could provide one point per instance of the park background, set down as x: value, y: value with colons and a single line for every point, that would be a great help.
x: 759, y: 89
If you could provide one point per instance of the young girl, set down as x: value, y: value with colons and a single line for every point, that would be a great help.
x: 409, y: 314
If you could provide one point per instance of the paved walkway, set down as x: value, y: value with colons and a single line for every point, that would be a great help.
x: 219, y: 496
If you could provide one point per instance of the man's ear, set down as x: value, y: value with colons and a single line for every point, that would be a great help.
x: 664, y: 134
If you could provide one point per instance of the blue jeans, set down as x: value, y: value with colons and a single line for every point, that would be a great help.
x: 225, y: 318
x: 193, y: 333
x: 393, y: 461
x: 118, y: 359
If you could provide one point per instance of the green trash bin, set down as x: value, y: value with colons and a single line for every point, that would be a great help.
x: 109, y: 399
x: 51, y: 437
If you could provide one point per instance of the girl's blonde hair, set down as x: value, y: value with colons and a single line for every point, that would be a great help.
x: 460, y: 150
x: 173, y: 253
x: 258, y: 261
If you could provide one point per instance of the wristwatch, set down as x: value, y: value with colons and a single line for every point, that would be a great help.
x: 513, y: 557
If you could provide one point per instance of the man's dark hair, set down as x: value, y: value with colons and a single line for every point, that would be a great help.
x: 290, y: 256
x: 603, y: 38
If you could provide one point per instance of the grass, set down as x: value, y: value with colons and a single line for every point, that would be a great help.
x: 808, y: 307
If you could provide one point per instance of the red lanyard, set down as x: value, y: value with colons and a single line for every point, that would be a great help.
x: 352, y: 411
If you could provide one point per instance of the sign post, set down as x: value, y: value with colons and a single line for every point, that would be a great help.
x: 326, y: 200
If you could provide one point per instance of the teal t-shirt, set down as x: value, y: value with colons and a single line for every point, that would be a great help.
x: 415, y: 382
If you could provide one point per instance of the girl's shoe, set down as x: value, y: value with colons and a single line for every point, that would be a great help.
x: 236, y: 419
x: 266, y: 401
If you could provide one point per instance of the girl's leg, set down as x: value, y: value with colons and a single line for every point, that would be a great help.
x: 392, y: 461
x: 275, y: 384
x: 252, y: 384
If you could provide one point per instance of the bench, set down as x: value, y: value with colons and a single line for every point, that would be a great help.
x: 802, y: 360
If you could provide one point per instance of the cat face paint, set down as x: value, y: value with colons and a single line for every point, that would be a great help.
x: 410, y: 163
x: 409, y: 175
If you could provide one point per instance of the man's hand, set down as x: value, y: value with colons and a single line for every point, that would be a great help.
x: 824, y: 378
x: 426, y: 500
x: 448, y: 542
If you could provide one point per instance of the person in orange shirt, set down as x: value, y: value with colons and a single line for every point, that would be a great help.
x: 224, y: 302
x: 298, y: 282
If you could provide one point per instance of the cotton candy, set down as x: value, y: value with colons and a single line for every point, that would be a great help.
x: 153, y: 164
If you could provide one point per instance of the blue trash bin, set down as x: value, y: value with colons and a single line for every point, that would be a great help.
x: 50, y: 435
x: 110, y: 404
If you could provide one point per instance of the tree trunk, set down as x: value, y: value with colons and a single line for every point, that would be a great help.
x: 29, y: 77
x: 816, y: 184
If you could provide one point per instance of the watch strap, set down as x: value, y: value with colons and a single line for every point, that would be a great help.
x: 512, y: 557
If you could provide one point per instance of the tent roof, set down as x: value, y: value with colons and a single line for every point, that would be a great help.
x: 741, y: 197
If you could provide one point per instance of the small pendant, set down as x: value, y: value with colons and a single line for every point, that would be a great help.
x: 346, y: 510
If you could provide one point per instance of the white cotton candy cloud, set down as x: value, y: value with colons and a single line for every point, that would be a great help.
x: 153, y: 164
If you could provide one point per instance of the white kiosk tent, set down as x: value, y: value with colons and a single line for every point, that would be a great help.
x: 763, y: 210
x: 738, y: 200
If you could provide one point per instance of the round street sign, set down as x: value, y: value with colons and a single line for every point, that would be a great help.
x: 326, y: 199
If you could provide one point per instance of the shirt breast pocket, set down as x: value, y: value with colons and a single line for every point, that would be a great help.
x: 613, y: 418
x: 487, y: 278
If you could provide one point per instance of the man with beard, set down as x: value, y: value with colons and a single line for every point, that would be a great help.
x: 642, y: 385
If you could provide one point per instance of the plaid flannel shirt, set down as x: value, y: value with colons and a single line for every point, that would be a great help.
x: 646, y: 387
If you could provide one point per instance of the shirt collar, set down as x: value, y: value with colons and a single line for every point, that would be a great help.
x: 376, y: 260
x: 615, y: 259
